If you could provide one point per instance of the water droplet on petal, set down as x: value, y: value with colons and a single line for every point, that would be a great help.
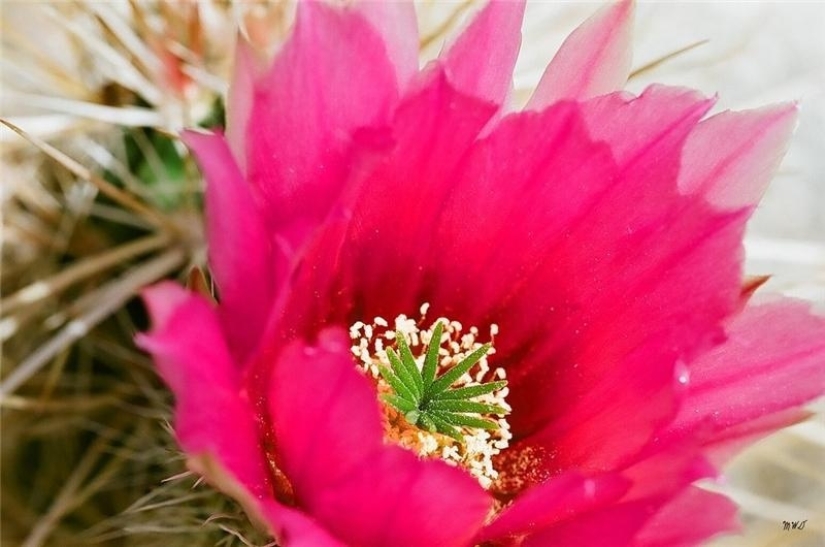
x: 682, y: 373
x: 589, y: 488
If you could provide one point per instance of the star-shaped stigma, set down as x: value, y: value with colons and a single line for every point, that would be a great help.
x: 430, y: 402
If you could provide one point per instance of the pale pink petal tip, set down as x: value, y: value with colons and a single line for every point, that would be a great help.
x: 162, y: 300
x: 594, y: 60
x: 772, y: 363
x: 246, y: 71
x: 330, y: 78
x: 397, y: 25
x: 731, y: 157
x: 481, y: 61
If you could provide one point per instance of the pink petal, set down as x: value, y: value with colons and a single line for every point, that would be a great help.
x: 289, y: 527
x: 585, y: 272
x: 731, y: 157
x: 557, y: 499
x: 617, y: 215
x: 773, y: 362
x: 593, y: 60
x: 211, y: 417
x: 633, y: 362
x: 241, y: 256
x: 432, y: 129
x: 214, y: 422
x: 592, y: 435
x: 397, y: 499
x: 690, y: 519
x: 725, y: 445
x: 393, y: 199
x: 565, y: 182
x: 325, y: 415
x: 626, y: 499
x: 331, y: 77
x: 296, y: 529
x: 611, y: 526
x: 665, y: 469
x: 481, y: 60
x: 398, y: 27
x: 635, y: 127
x: 329, y: 439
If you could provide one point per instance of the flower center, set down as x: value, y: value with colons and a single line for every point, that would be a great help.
x: 439, y: 396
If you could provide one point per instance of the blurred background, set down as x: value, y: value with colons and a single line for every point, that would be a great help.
x: 100, y: 199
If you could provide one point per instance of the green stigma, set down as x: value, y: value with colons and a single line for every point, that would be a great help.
x: 430, y: 402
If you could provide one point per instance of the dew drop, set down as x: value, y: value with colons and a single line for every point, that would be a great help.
x: 682, y: 373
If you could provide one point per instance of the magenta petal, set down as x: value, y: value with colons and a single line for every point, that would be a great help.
x: 211, y: 417
x: 556, y: 499
x: 397, y: 25
x: 241, y: 257
x: 593, y: 335
x: 585, y: 272
x: 481, y: 61
x: 772, y: 362
x: 397, y: 499
x: 214, y: 422
x: 295, y: 529
x: 330, y: 444
x: 610, y: 526
x: 666, y: 469
x: 394, y: 199
x: 593, y: 60
x: 622, y: 503
x: 675, y: 526
x: 638, y: 208
x: 550, y: 163
x: 324, y: 413
x: 631, y: 355
x: 592, y: 435
x: 731, y: 157
x: 331, y: 77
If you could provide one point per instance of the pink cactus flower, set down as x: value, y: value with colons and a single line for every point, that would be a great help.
x: 444, y: 322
